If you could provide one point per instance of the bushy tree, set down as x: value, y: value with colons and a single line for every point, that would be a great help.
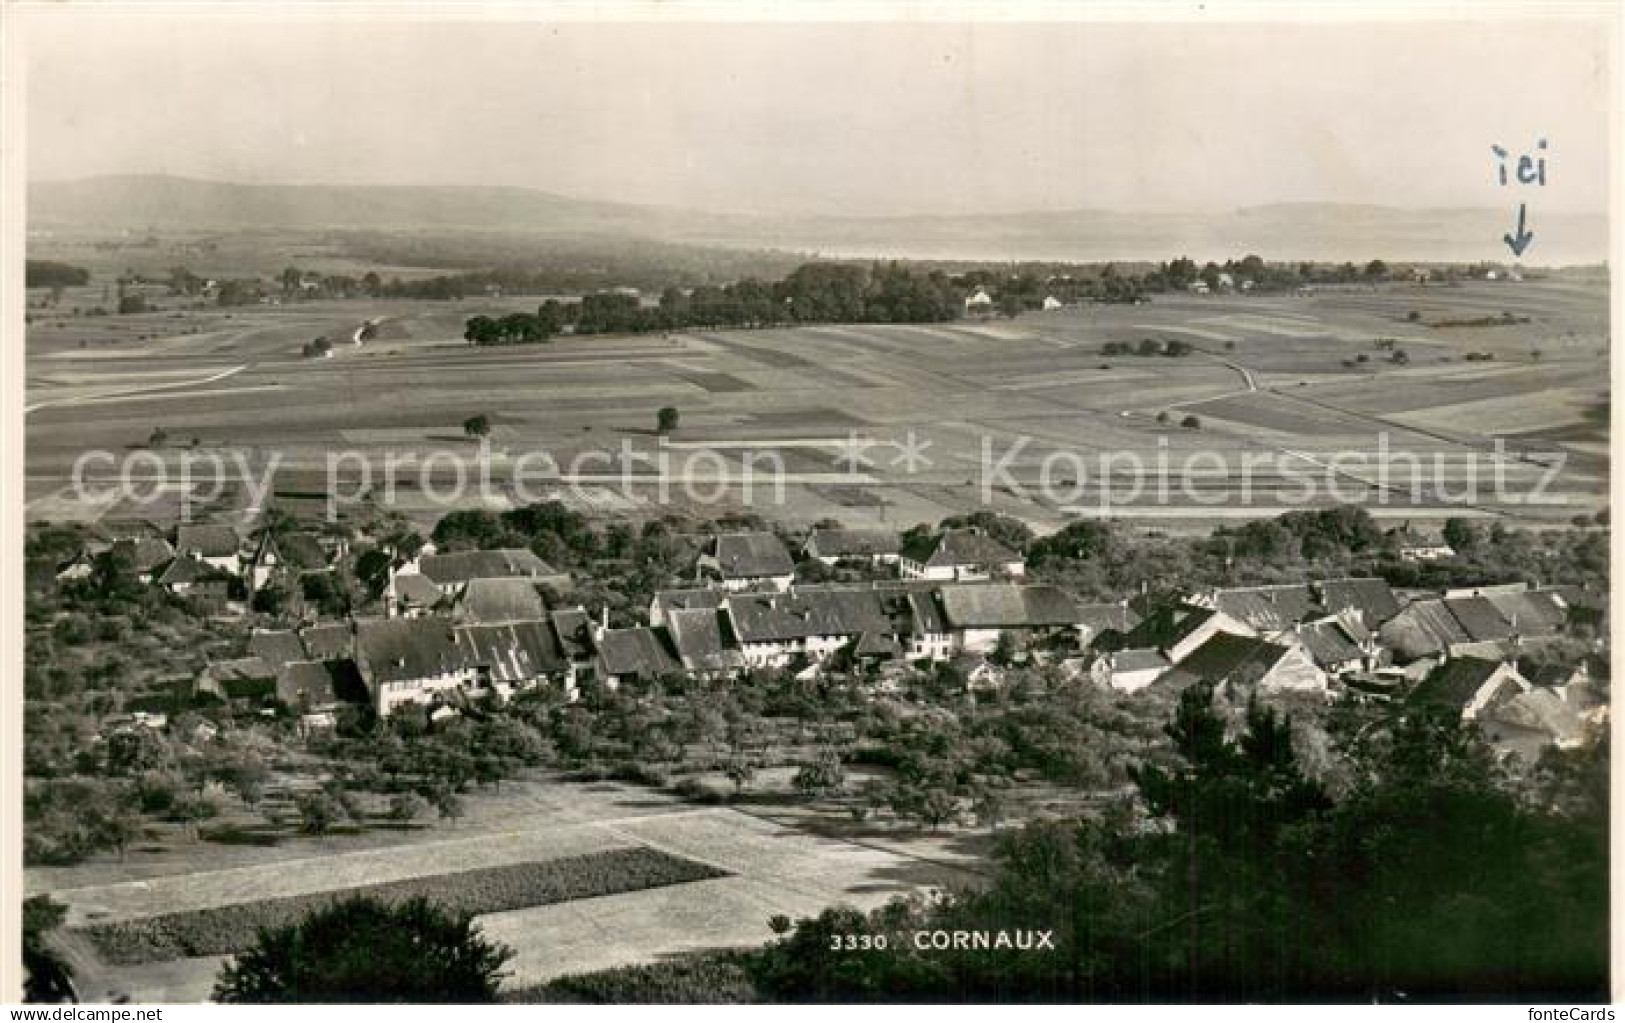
x: 365, y: 951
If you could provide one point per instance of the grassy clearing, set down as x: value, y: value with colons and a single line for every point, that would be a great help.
x: 228, y: 929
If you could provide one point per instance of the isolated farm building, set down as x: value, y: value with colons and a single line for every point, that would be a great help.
x: 1197, y: 287
x: 218, y: 546
x: 1129, y: 671
x: 667, y: 601
x: 1177, y: 629
x: 1264, y: 609
x: 1467, y: 686
x: 875, y: 546
x: 978, y: 614
x: 1052, y: 303
x: 1415, y: 545
x: 499, y: 600
x: 451, y: 572
x: 961, y: 555
x: 636, y: 655
x: 1249, y: 664
x: 410, y: 595
x: 1373, y: 598
x: 978, y: 301
x: 745, y: 561
x: 702, y: 641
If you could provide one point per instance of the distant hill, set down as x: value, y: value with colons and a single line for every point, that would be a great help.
x: 1286, y: 231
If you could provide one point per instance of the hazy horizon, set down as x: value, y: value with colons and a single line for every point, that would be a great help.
x: 832, y: 120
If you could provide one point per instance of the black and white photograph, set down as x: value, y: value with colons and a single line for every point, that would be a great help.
x: 788, y: 504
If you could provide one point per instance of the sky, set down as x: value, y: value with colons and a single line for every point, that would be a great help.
x: 856, y: 118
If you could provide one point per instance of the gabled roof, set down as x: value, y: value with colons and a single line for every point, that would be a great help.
x: 207, y: 541
x: 799, y: 614
x: 276, y: 647
x: 189, y: 569
x: 1533, y: 613
x: 969, y: 548
x: 1424, y: 627
x: 1328, y: 643
x: 327, y: 641
x: 876, y: 644
x: 751, y: 556
x: 242, y: 678
x: 854, y: 543
x: 1098, y: 618
x: 303, y: 551
x: 505, y: 563
x: 143, y: 553
x: 1373, y: 598
x: 925, y: 617
x: 691, y: 600
x: 1165, y: 626
x: 320, y: 683
x: 512, y: 652
x: 1227, y: 658
x: 1457, y: 681
x: 406, y: 649
x: 500, y: 600
x: 415, y: 589
x: 1479, y: 618
x: 1006, y: 606
x: 1538, y: 710
x: 640, y: 652
x: 573, y: 629
x: 701, y: 639
x: 1266, y: 608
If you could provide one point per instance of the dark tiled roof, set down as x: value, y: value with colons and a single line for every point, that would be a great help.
x: 415, y: 589
x: 691, y: 600
x: 924, y: 614
x: 1098, y: 618
x: 1454, y: 683
x: 506, y: 563
x: 207, y: 541
x: 143, y: 553
x: 405, y: 649
x: 574, y: 631
x: 317, y: 684
x: 642, y: 653
x: 512, y: 652
x: 843, y: 543
x: 501, y: 600
x: 1001, y: 605
x: 243, y: 678
x: 327, y: 641
x: 969, y: 547
x: 276, y: 647
x: 1166, y: 625
x: 701, y: 639
x: 1479, y: 618
x: 876, y: 644
x: 1535, y: 613
x: 189, y: 570
x: 775, y: 617
x: 1227, y: 658
x: 1328, y: 644
x: 1142, y: 659
x: 1266, y: 608
x: 1373, y: 598
x: 751, y: 556
x: 302, y: 551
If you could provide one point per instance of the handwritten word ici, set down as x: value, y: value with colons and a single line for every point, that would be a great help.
x: 1530, y: 169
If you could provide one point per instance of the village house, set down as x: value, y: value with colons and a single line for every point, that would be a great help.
x: 831, y: 546
x: 293, y: 555
x: 1339, y: 644
x: 498, y: 600
x: 217, y: 546
x: 961, y: 555
x: 450, y: 573
x: 746, y: 561
x: 1486, y: 622
x: 1243, y: 665
x: 979, y: 615
x: 410, y: 595
x: 1178, y: 629
x: 667, y: 601
x: 145, y: 555
x: 978, y: 302
x: 1129, y: 671
x: 1467, y: 686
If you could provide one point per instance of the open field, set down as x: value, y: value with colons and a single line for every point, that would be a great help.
x: 994, y: 408
x: 770, y: 867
